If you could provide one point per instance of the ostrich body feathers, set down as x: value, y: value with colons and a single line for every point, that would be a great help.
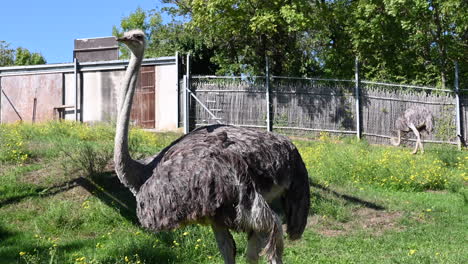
x: 217, y: 173
x: 417, y: 115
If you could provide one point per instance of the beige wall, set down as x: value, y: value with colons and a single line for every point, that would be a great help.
x: 98, y: 82
x: 30, y: 98
x: 166, y: 98
x: 100, y: 96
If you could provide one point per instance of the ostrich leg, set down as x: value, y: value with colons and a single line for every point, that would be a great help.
x: 418, y: 139
x: 254, y: 247
x: 257, y: 242
x: 226, y: 243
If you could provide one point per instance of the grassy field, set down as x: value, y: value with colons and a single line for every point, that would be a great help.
x: 60, y: 202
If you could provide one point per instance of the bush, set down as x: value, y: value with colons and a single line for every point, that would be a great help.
x: 89, y: 158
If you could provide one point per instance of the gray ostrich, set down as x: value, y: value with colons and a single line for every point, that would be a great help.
x: 218, y: 175
x: 416, y: 118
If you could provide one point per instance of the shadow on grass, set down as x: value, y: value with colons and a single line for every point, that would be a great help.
x: 348, y: 198
x: 146, y: 254
x: 104, y: 186
x: 40, y: 192
x: 14, y: 242
x: 107, y: 188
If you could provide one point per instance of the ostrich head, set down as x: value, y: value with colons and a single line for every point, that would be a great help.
x: 135, y: 41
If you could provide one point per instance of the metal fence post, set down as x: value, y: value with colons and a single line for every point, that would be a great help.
x: 177, y: 87
x: 457, y: 109
x: 357, y: 99
x: 267, y: 95
x: 1, y: 93
x: 187, y: 97
x: 75, y: 84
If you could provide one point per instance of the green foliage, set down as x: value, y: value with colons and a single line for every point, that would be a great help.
x: 20, y: 56
x: 413, y: 42
x: 90, y: 158
x: 7, y: 55
x: 25, y: 57
x: 445, y: 124
x: 167, y: 39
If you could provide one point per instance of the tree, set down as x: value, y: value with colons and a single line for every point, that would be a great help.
x: 244, y: 32
x: 7, y: 55
x: 167, y: 39
x: 25, y: 57
x: 414, y: 41
x: 20, y: 56
x: 406, y: 41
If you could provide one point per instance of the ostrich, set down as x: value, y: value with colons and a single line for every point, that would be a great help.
x: 416, y: 118
x: 219, y: 175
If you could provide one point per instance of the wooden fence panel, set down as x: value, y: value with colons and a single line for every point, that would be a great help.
x: 233, y: 100
x: 381, y: 108
x: 301, y: 105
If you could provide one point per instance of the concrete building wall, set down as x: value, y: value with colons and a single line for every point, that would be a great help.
x: 166, y: 98
x: 99, y: 100
x: 30, y: 98
x: 97, y: 85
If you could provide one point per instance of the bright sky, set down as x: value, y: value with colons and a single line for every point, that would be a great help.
x: 50, y: 26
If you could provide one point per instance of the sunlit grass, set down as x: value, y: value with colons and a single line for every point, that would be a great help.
x: 49, y: 215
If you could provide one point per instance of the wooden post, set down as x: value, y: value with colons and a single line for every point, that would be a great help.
x: 268, y: 97
x: 357, y: 99
x: 457, y: 109
x: 187, y: 97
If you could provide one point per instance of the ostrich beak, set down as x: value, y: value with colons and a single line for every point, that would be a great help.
x: 122, y: 39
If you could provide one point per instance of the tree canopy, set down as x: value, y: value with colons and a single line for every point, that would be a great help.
x: 18, y: 56
x: 409, y: 41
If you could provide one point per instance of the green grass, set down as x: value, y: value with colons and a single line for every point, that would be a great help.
x: 370, y: 204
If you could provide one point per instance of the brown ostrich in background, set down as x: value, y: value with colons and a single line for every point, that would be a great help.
x: 416, y: 119
x: 219, y: 175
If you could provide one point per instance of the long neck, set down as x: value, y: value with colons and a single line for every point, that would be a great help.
x: 127, y: 169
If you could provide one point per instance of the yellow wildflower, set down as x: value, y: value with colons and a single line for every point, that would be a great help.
x: 22, y: 253
x: 411, y: 252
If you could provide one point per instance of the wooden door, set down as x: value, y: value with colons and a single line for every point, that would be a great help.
x: 143, y: 108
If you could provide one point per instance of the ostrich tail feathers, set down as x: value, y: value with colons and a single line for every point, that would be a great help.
x: 429, y: 123
x: 296, y: 201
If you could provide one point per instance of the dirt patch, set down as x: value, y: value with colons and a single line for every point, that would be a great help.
x: 373, y: 221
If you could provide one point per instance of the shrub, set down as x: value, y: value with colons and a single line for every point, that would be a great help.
x: 90, y: 158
